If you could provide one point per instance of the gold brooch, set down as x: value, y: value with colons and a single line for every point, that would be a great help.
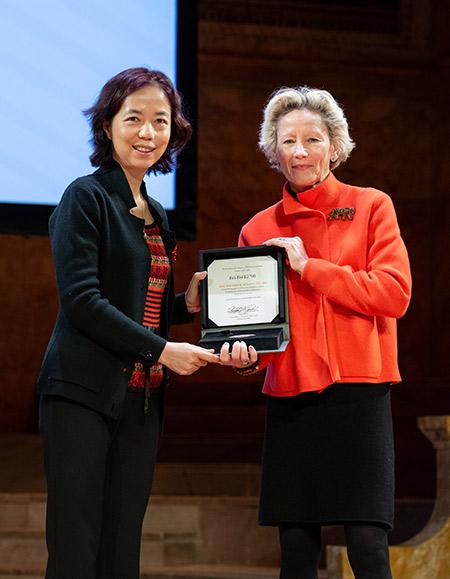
x: 342, y: 213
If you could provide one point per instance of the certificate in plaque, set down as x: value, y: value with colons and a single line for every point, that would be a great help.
x: 244, y: 297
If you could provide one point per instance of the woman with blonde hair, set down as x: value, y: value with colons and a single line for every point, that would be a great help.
x: 328, y: 454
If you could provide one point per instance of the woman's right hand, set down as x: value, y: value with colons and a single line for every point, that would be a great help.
x: 295, y: 251
x: 185, y: 359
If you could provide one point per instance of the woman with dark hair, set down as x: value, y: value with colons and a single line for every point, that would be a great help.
x: 103, y: 376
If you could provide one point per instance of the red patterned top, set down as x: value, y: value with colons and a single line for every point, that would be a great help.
x: 159, y: 275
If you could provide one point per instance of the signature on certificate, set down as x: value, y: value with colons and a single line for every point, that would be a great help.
x: 242, y: 310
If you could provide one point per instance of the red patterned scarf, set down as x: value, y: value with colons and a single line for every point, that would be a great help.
x: 159, y: 275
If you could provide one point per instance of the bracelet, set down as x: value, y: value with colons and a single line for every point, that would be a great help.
x: 248, y: 370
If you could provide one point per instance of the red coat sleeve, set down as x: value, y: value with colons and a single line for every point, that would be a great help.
x: 383, y: 288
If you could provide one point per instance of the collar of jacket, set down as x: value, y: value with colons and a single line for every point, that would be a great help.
x: 115, y: 180
x: 322, y: 197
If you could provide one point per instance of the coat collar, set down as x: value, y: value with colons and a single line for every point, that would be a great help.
x: 114, y: 180
x: 322, y: 197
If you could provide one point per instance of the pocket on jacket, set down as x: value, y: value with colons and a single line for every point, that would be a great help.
x: 75, y: 359
x: 93, y: 387
x: 357, y: 344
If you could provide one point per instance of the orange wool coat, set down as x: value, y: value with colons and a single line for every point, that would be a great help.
x: 342, y: 309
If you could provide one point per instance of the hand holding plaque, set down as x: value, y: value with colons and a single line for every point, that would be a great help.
x: 244, y: 297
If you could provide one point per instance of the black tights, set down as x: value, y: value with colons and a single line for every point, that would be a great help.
x: 367, y: 549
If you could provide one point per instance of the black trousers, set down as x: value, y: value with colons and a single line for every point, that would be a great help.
x: 99, y: 476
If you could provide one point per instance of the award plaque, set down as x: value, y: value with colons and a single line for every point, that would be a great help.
x: 244, y: 298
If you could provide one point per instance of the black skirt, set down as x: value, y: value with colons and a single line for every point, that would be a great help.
x: 328, y: 457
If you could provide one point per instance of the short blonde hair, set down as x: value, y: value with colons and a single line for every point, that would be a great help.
x: 285, y: 100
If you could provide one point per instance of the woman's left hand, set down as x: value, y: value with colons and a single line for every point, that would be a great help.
x: 238, y: 355
x: 192, y: 295
x: 295, y: 251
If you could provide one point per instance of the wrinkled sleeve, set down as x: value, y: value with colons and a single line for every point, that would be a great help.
x: 180, y: 312
x: 384, y: 287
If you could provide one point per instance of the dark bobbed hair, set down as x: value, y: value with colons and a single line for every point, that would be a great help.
x: 109, y: 102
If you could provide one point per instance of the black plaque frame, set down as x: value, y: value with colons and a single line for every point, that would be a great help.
x: 265, y: 337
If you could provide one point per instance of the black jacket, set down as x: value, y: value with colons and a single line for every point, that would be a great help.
x: 102, y: 267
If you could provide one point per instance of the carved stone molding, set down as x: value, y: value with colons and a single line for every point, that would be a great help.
x: 374, y: 16
x: 369, y: 32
